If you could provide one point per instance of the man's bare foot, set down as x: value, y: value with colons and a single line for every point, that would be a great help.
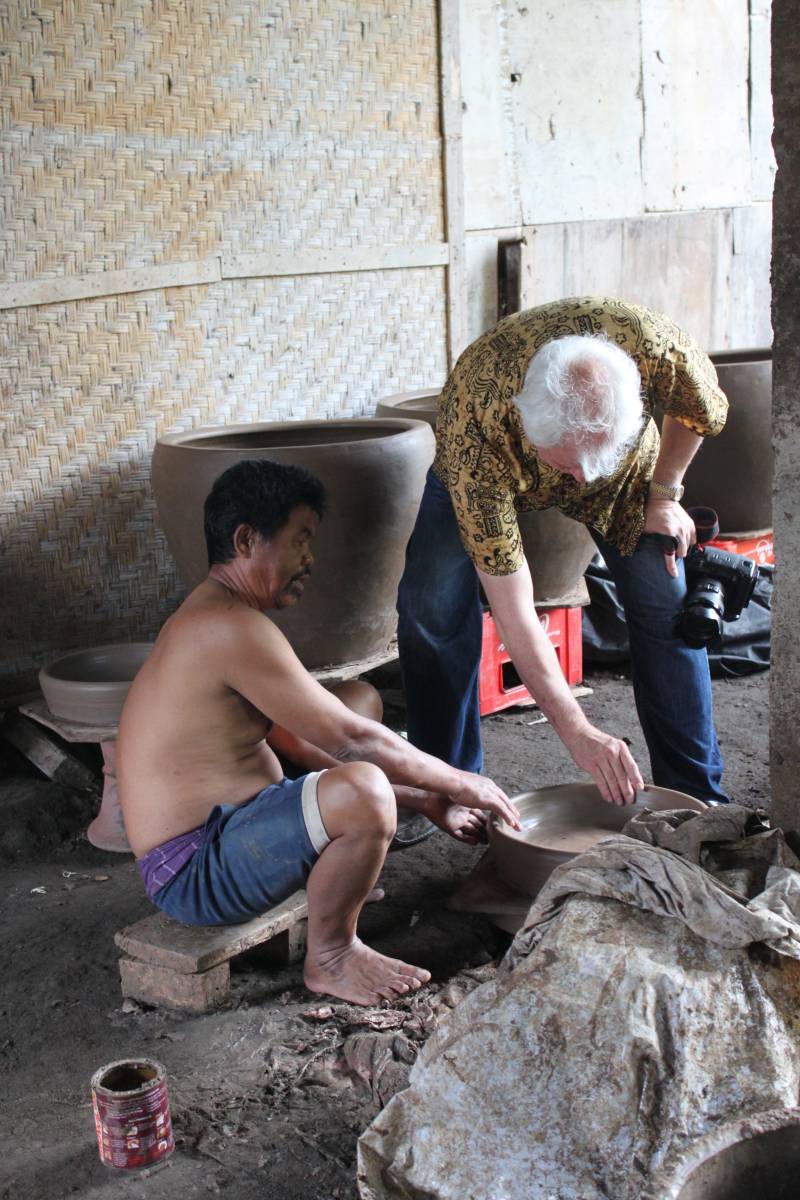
x: 360, y: 975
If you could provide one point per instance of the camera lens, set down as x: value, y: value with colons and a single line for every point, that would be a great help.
x: 701, y: 619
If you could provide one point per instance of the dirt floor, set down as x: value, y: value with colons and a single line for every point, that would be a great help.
x: 269, y: 1096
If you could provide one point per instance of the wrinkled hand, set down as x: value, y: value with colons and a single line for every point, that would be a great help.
x: 479, y: 792
x: 669, y: 519
x: 609, y: 762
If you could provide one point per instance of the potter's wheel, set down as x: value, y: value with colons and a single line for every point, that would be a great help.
x: 560, y: 822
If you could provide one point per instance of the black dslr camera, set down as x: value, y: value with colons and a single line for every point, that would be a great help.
x: 719, y: 584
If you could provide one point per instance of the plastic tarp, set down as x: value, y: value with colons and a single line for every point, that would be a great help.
x: 743, y: 648
x: 638, y: 1007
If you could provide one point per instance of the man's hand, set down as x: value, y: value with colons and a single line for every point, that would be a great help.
x: 609, y: 762
x: 668, y: 518
x: 479, y: 792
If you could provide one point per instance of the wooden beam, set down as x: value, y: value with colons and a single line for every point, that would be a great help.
x: 451, y: 105
x: 213, y: 270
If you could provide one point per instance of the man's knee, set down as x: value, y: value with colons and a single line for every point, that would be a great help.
x: 359, y: 797
x: 360, y: 697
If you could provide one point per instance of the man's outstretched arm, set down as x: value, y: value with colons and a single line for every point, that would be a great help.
x: 260, y: 665
x: 607, y: 759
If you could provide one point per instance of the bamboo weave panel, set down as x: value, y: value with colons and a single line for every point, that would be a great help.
x: 140, y: 133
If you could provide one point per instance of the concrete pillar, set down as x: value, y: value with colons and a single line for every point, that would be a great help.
x: 785, y: 672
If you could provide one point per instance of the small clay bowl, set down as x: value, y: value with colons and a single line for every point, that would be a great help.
x: 561, y: 822
x: 90, y: 686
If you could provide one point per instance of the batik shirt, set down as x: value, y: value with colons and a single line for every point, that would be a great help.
x: 492, y: 471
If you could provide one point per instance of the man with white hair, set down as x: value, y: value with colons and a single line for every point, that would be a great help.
x: 554, y: 408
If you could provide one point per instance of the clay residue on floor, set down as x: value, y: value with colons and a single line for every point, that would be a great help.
x: 269, y: 1096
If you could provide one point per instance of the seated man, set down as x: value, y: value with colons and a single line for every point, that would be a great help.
x: 220, y: 834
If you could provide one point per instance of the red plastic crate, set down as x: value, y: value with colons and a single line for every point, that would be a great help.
x: 760, y: 549
x: 498, y: 683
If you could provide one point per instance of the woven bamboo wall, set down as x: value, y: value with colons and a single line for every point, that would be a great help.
x: 138, y: 134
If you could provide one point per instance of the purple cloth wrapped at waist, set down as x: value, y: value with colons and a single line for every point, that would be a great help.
x: 162, y: 863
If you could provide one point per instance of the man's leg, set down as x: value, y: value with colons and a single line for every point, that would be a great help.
x: 357, y: 806
x: 672, y: 683
x: 439, y: 636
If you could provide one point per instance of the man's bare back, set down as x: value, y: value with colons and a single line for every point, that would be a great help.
x: 187, y: 740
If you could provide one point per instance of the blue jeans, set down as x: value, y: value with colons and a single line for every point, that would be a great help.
x: 440, y: 633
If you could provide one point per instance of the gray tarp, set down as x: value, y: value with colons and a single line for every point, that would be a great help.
x: 636, y: 1009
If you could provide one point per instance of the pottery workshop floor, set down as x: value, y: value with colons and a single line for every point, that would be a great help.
x: 269, y: 1096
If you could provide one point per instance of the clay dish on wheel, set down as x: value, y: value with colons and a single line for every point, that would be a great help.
x: 561, y: 822
x: 90, y: 686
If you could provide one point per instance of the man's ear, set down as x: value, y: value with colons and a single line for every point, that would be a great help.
x: 244, y: 539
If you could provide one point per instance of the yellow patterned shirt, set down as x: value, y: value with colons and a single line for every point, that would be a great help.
x: 491, y: 469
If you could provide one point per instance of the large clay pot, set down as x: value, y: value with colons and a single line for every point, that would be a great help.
x: 733, y: 471
x: 557, y: 548
x: 753, y: 1155
x: 561, y: 822
x: 374, y: 472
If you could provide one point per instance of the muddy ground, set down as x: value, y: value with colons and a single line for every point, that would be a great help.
x: 269, y: 1096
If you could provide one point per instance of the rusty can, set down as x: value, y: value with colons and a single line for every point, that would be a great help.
x: 131, y: 1114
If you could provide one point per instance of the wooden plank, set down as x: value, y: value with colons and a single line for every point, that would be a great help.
x: 213, y: 270
x: 696, y: 147
x: 189, y: 949
x: 451, y: 101
x: 163, y: 988
x: 762, y: 155
x: 70, y: 731
x: 509, y: 276
x: 108, y: 283
x: 574, y: 101
x: 334, y: 262
x: 47, y: 756
x: 489, y: 151
x: 750, y: 291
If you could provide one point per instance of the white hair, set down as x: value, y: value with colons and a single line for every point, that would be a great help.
x: 584, y: 393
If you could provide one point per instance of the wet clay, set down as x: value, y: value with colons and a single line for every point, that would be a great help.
x: 90, y: 686
x: 373, y: 472
x: 558, y: 549
x: 560, y: 822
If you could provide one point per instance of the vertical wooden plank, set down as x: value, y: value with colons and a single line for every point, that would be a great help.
x: 509, y: 276
x: 450, y: 76
x: 696, y: 150
x: 574, y: 70
x: 492, y: 199
x: 481, y: 261
x: 762, y: 157
x: 750, y: 323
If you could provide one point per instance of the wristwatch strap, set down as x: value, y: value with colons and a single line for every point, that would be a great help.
x: 666, y: 491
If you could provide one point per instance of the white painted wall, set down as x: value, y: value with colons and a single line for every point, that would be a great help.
x: 628, y: 141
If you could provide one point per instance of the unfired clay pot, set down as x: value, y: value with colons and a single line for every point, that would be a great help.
x: 752, y: 1157
x: 90, y: 686
x: 733, y: 471
x: 561, y: 822
x: 557, y: 548
x: 374, y: 472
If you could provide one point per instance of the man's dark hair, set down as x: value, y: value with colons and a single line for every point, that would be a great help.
x: 258, y: 493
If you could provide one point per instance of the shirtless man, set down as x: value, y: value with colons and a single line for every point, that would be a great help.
x: 220, y: 834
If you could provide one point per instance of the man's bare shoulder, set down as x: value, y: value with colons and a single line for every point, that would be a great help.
x: 212, y: 616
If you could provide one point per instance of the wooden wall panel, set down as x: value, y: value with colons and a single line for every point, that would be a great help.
x: 695, y: 69
x: 576, y: 108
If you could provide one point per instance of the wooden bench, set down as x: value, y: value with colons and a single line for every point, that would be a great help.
x: 186, y: 967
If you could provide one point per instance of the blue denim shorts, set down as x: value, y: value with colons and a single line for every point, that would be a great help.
x: 252, y: 856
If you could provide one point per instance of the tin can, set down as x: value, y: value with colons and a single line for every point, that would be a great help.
x: 131, y: 1114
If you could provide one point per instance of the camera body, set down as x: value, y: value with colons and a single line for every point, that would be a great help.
x: 719, y: 584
